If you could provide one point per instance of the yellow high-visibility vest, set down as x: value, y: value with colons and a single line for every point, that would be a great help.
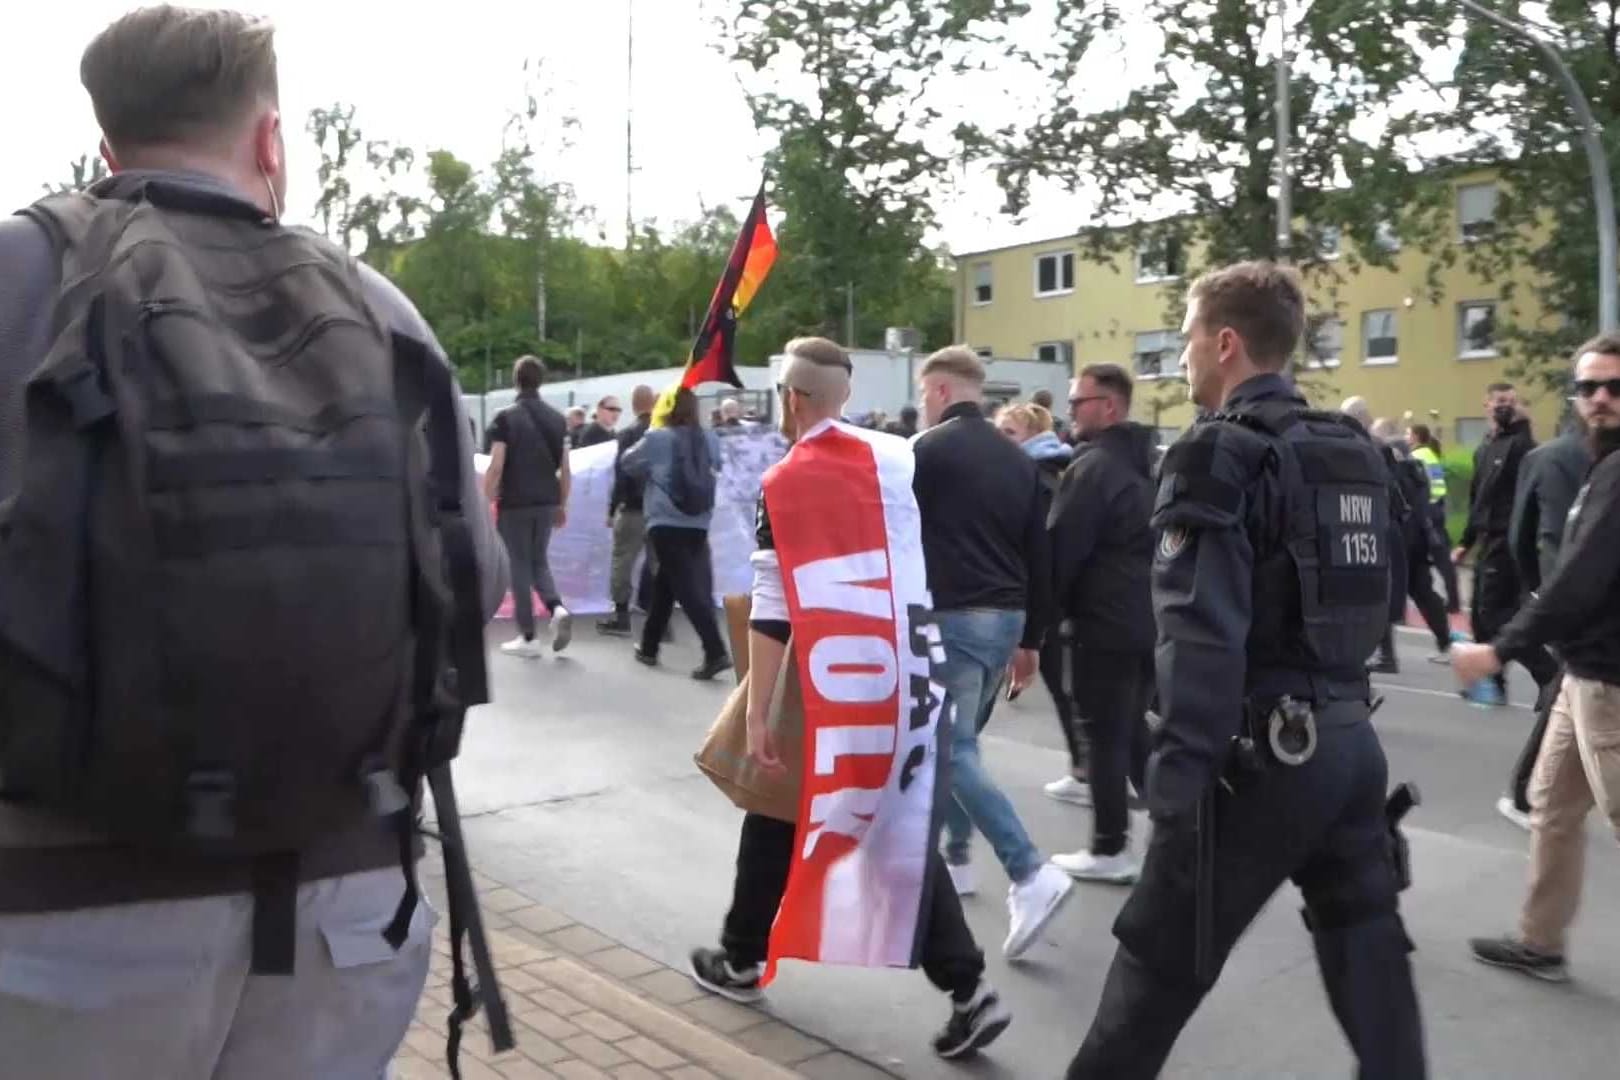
x: 1436, y: 471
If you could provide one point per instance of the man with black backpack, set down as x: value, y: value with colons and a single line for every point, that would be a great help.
x: 244, y: 571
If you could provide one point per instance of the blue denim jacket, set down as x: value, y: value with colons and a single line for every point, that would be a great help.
x: 652, y: 459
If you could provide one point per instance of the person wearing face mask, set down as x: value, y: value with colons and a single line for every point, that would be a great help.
x: 142, y: 934
x: 1497, y: 591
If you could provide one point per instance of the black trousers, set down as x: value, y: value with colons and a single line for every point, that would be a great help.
x: 685, y: 575
x: 1420, y: 587
x: 1320, y: 825
x: 950, y: 957
x: 1111, y: 695
x: 1440, y: 541
x: 1054, y: 655
x: 1496, y: 600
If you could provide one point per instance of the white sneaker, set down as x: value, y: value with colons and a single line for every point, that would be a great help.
x: 562, y: 629
x: 1032, y: 905
x: 1440, y: 657
x: 1505, y: 807
x: 1069, y: 790
x: 1120, y: 869
x: 963, y: 879
x: 527, y: 648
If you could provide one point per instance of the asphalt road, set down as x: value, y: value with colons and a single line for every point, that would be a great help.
x: 581, y: 774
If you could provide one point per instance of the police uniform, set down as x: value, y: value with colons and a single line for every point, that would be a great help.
x: 1270, y: 587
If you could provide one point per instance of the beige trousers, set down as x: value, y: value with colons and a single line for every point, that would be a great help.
x: 1578, y: 767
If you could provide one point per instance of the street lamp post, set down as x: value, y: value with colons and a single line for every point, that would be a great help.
x: 1597, y: 161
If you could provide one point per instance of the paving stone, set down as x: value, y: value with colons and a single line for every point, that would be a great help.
x: 601, y: 1025
x: 578, y: 940
x: 838, y: 1065
x: 518, y: 1068
x: 557, y: 1001
x: 575, y: 1069
x: 691, y: 1072
x: 726, y: 1017
x: 503, y: 900
x: 589, y: 1048
x: 650, y: 1053
x: 520, y: 981
x: 537, y: 1048
x: 634, y: 1071
x: 541, y: 920
x: 669, y: 986
x: 545, y: 1022
x: 623, y: 963
x: 780, y: 1043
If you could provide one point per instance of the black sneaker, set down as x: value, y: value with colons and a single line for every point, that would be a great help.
x: 615, y: 625
x: 711, y: 668
x: 648, y: 659
x: 973, y: 1026
x: 711, y: 970
x: 1384, y: 665
x: 1510, y: 952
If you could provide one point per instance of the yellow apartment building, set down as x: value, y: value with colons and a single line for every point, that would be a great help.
x: 1381, y: 335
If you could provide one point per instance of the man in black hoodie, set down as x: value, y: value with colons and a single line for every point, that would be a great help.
x: 1490, y: 512
x: 1102, y: 558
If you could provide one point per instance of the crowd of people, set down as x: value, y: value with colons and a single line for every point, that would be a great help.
x: 233, y: 434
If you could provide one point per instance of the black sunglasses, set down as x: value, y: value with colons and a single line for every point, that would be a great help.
x: 1076, y: 402
x: 1589, y: 387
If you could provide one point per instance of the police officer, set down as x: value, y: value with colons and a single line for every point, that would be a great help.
x: 1270, y: 588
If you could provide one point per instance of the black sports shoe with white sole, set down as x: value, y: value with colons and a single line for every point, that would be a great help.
x: 711, y: 970
x: 973, y: 1026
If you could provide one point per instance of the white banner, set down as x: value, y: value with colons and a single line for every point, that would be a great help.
x: 581, y: 552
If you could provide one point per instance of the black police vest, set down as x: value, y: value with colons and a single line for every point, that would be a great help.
x: 1321, y: 579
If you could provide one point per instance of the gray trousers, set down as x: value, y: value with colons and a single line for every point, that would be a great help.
x: 162, y: 989
x: 527, y: 534
x: 629, y: 538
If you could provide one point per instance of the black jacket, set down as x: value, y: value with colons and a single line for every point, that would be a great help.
x: 983, y: 521
x: 627, y: 490
x: 1496, y: 475
x: 1102, y: 544
x: 1577, y: 610
x: 593, y: 433
x: 1548, y: 482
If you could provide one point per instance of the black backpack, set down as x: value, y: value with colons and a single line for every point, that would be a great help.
x: 691, y: 474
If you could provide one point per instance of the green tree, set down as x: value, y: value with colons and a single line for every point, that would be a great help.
x: 1511, y: 111
x: 860, y: 151
x: 1184, y: 164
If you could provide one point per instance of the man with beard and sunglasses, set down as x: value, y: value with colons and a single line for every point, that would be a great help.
x: 1577, y: 611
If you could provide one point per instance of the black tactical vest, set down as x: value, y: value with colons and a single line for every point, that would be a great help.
x: 1321, y: 576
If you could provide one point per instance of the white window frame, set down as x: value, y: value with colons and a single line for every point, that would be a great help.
x: 989, y: 284
x: 1484, y: 426
x: 1060, y: 257
x: 1367, y: 358
x: 1065, y: 353
x: 1385, y: 238
x: 1463, y: 351
x: 1171, y: 354
x: 1489, y: 223
x: 1313, y: 362
x: 1331, y: 242
x: 1143, y: 276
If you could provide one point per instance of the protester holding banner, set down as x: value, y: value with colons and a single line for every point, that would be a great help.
x: 857, y: 878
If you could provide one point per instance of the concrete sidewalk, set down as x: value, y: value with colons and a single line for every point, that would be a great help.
x: 584, y: 1006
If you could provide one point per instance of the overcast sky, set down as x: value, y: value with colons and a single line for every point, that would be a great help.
x: 448, y: 77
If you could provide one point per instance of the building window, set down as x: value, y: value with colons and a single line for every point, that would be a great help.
x: 1328, y: 238
x: 985, y: 352
x: 1160, y: 258
x: 1471, y: 430
x: 1325, y: 345
x: 1157, y: 353
x: 982, y: 291
x: 1055, y: 352
x: 1386, y: 238
x: 1379, y: 344
x: 1476, y: 329
x: 1054, y: 273
x: 1476, y: 210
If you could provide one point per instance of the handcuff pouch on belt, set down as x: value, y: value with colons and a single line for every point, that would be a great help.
x: 1287, y: 730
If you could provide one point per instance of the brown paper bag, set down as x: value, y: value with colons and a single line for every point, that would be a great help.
x: 723, y: 758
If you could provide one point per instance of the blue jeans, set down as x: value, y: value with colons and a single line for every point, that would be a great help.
x: 979, y: 644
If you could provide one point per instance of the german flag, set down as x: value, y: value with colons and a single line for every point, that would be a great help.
x: 712, y: 358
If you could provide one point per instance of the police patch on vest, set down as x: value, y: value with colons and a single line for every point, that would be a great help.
x: 1172, y: 542
x: 1356, y: 527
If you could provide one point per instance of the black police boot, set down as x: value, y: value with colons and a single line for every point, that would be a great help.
x: 1368, y: 974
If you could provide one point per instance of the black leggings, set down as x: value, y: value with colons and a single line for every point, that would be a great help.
x: 1054, y: 654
